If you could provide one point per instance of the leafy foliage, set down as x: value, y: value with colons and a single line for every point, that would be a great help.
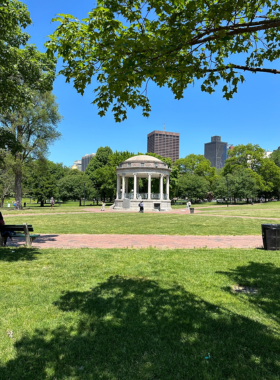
x: 241, y: 184
x: 270, y: 174
x: 192, y: 186
x: 9, y: 142
x: 125, y: 44
x: 196, y: 164
x: 23, y: 69
x: 101, y: 170
x: 246, y: 156
x: 99, y: 160
x: 74, y: 186
x: 42, y: 184
x: 275, y: 156
x: 34, y: 128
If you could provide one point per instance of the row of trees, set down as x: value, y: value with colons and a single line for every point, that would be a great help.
x: 246, y: 174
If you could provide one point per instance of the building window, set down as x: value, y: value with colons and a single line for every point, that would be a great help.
x: 120, y: 165
x: 156, y: 165
x: 142, y: 164
x: 129, y: 164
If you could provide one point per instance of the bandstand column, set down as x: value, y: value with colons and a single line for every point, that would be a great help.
x: 123, y: 185
x: 126, y: 185
x: 167, y: 187
x: 161, y: 187
x: 135, y: 186
x: 118, y: 186
x: 149, y: 185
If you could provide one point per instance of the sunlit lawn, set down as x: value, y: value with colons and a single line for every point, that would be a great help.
x: 34, y: 207
x: 233, y: 206
x: 139, y: 314
x: 135, y: 223
x: 260, y: 213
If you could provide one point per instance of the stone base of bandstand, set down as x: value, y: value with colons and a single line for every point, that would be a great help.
x: 149, y: 205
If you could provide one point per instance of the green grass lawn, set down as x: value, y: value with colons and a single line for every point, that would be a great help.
x: 264, y: 213
x: 139, y: 314
x: 272, y: 205
x: 34, y: 208
x: 128, y: 223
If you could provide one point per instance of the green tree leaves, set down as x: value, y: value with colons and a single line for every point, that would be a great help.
x: 23, y: 69
x: 172, y: 43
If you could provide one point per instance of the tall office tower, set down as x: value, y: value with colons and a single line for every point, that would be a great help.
x: 85, y: 161
x: 166, y: 144
x: 216, y: 152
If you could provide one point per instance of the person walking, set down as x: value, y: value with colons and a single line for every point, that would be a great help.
x: 52, y: 202
x: 141, y: 205
x: 103, y: 206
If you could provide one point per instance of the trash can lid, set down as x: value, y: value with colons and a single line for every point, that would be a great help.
x: 276, y: 226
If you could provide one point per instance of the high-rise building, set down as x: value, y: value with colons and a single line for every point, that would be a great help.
x: 166, y: 144
x: 216, y: 152
x: 85, y: 161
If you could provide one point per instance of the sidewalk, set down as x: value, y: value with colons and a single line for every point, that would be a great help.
x: 142, y: 241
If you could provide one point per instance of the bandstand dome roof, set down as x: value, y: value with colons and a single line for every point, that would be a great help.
x: 143, y: 158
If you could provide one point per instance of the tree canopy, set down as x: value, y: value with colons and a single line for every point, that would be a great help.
x: 275, y: 156
x: 35, y: 128
x: 23, y: 69
x: 126, y: 43
x: 193, y: 186
x: 196, y: 164
x: 246, y: 156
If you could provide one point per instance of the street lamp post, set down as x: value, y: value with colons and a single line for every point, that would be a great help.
x: 227, y: 190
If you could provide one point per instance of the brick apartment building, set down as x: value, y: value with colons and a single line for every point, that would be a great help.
x: 166, y: 144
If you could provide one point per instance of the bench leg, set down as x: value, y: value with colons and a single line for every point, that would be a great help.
x: 28, y: 240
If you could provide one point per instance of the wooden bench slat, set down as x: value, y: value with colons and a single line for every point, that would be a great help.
x: 15, y: 228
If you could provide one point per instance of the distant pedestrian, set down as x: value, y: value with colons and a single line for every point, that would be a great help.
x: 103, y: 206
x: 141, y: 205
x: 52, y: 202
x: 189, y: 205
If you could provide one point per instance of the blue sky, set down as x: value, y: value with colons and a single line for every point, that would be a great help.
x: 252, y: 116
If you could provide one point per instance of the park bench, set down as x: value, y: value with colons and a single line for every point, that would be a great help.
x: 21, y: 230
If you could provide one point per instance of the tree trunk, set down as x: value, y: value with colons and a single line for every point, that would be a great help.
x: 18, y: 194
x: 2, y: 201
x: 42, y: 203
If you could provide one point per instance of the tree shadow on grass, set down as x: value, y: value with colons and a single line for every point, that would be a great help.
x: 19, y: 254
x: 134, y: 329
x: 265, y: 278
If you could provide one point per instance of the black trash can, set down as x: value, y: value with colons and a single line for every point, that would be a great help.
x: 192, y: 210
x: 271, y: 236
x: 24, y: 205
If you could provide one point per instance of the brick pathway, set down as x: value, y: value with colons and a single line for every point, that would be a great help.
x: 142, y: 241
